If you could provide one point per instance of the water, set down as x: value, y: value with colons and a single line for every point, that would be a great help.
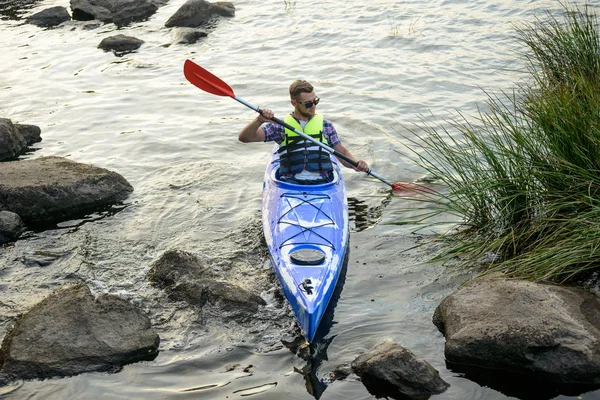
x: 377, y: 66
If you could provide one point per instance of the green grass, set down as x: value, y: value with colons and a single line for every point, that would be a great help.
x: 523, y: 178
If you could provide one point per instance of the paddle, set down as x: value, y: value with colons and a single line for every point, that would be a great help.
x: 208, y: 82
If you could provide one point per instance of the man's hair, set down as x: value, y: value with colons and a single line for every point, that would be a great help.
x: 298, y: 87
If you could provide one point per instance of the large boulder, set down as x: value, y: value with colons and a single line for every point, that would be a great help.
x: 188, y: 278
x: 54, y: 188
x: 119, y: 12
x: 195, y: 13
x: 49, y: 17
x: 544, y: 331
x: 12, y: 142
x: 71, y: 332
x: 390, y: 367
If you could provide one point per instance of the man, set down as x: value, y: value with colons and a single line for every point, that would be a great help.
x: 301, y: 161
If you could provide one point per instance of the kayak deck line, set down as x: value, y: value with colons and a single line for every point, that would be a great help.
x: 306, y: 229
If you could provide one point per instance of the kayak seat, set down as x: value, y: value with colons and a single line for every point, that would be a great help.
x: 333, y: 177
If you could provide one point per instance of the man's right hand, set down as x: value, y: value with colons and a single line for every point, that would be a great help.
x: 265, y: 115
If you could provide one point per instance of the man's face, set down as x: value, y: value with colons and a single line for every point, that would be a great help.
x: 301, y: 102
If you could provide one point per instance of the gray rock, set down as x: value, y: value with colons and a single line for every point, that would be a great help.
x: 187, y: 278
x: 195, y: 13
x: 119, y: 12
x: 49, y: 17
x: 120, y: 44
x: 12, y: 142
x: 187, y: 35
x: 53, y: 188
x: 11, y: 226
x: 389, y: 365
x: 31, y: 133
x: 544, y: 331
x: 70, y: 332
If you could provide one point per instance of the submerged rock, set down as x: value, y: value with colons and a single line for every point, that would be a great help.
x: 11, y: 226
x: 545, y: 331
x: 187, y: 278
x: 120, y: 44
x: 49, y: 17
x: 187, y: 35
x: 390, y: 367
x: 71, y: 332
x: 53, y: 188
x: 195, y: 13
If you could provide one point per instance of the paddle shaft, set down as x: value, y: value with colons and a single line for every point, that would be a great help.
x: 318, y: 143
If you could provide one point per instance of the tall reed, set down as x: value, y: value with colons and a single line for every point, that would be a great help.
x: 523, y: 179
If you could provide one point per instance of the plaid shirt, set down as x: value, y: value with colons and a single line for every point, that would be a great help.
x: 276, y: 133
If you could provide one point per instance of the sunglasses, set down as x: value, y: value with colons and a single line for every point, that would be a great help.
x: 309, y: 104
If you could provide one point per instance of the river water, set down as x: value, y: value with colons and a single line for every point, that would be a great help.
x: 378, y: 66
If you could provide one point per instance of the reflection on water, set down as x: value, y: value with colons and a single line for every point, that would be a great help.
x: 316, y: 352
x: 365, y: 216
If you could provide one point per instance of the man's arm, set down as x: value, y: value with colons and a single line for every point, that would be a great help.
x: 253, y: 131
x: 362, y: 166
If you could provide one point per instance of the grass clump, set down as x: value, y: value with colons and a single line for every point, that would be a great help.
x: 524, y: 178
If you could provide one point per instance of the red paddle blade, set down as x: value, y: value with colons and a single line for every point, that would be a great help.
x: 204, y: 80
x: 410, y: 188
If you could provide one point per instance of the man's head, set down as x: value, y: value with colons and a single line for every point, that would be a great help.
x: 303, y: 98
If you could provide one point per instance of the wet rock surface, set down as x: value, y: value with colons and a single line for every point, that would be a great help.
x: 120, y: 44
x: 389, y: 368
x: 187, y: 35
x: 195, y: 13
x: 543, y: 331
x: 120, y: 13
x: 186, y: 277
x: 54, y: 188
x: 49, y: 17
x: 11, y: 226
x: 71, y: 332
x: 12, y: 142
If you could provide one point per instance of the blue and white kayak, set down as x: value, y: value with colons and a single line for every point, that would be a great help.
x: 306, y: 228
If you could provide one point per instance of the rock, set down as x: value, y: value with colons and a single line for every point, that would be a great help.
x: 194, y: 13
x: 31, y: 133
x: 187, y: 35
x: 389, y: 365
x: 175, y: 266
x: 11, y: 226
x: 543, y: 331
x: 186, y: 278
x: 53, y: 188
x: 70, y: 332
x: 120, y: 44
x: 49, y: 17
x: 121, y: 12
x: 12, y: 142
x: 341, y: 372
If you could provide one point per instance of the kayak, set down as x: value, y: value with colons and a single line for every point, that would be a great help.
x: 306, y: 228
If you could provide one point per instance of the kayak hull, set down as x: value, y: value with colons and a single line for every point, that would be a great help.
x: 306, y: 228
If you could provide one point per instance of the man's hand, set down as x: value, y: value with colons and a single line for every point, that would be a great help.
x: 265, y: 115
x: 362, y: 166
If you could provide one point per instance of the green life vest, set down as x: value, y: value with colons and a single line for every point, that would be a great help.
x: 298, y: 154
